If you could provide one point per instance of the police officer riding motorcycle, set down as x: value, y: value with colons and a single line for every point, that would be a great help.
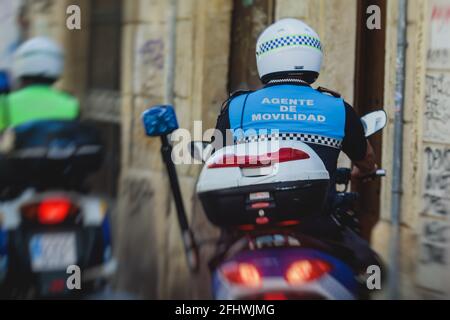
x: 48, y: 221
x: 38, y: 64
x: 289, y: 57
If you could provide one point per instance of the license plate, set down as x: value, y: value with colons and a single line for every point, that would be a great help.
x: 259, y: 196
x: 53, y: 251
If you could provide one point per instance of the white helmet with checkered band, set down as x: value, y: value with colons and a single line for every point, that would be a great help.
x: 289, y: 47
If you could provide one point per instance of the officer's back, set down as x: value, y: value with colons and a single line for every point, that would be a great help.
x: 37, y: 102
x: 289, y: 58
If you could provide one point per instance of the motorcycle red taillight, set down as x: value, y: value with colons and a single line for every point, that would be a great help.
x: 264, y: 160
x: 274, y: 296
x: 50, y: 211
x: 306, y: 270
x: 244, y: 274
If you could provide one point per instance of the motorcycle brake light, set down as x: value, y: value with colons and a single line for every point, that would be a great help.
x: 244, y: 274
x: 246, y: 227
x: 57, y: 286
x: 264, y: 160
x: 53, y: 211
x: 306, y: 270
x: 289, y: 223
x: 262, y: 220
x: 260, y: 205
x: 274, y: 296
x: 50, y: 211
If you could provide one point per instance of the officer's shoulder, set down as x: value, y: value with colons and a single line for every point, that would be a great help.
x: 238, y: 93
x: 232, y: 96
x: 17, y: 97
x: 329, y: 92
x: 12, y: 95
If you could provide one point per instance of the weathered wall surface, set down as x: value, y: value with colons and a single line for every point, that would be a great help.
x: 433, y: 270
x: 147, y: 217
x: 11, y: 33
x: 424, y: 245
x: 414, y: 95
x: 48, y: 18
x: 334, y: 21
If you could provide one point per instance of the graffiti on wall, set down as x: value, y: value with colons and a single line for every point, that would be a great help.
x: 437, y: 108
x: 436, y: 194
x: 148, y: 84
x: 149, y: 64
x: 434, y: 237
x: 434, y: 242
x: 433, y: 260
x: 439, y: 51
x: 152, y: 52
x: 434, y: 254
x: 138, y: 194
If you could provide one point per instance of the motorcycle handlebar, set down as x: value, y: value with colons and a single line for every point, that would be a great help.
x: 377, y: 174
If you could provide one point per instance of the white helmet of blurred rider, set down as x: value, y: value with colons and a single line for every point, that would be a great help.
x: 289, y: 47
x: 38, y: 57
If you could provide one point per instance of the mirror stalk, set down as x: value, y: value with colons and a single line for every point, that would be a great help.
x: 190, y: 245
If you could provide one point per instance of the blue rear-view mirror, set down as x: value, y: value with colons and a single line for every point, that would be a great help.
x: 159, y: 121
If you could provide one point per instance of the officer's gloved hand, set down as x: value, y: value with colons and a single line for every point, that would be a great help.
x: 364, y: 176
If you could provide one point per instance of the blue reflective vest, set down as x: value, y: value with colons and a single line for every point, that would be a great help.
x: 290, y: 112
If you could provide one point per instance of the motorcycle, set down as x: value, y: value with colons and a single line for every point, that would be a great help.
x: 55, y: 238
x: 260, y: 194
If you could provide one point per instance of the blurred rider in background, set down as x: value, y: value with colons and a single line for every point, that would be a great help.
x: 38, y: 64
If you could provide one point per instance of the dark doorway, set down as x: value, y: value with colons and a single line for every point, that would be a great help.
x: 249, y: 20
x: 103, y: 88
x: 369, y: 96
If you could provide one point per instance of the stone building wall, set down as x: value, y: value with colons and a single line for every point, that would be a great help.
x: 433, y: 262
x: 424, y: 247
x: 147, y: 214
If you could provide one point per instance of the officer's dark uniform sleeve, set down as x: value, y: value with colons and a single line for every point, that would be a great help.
x: 223, y: 123
x: 355, y: 143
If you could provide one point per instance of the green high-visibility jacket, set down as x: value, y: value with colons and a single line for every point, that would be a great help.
x: 36, y: 102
